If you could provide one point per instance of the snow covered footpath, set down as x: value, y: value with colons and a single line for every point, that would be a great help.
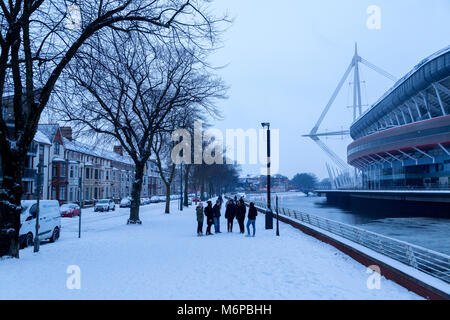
x: 164, y: 259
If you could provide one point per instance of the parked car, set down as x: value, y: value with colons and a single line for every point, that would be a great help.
x: 105, y: 205
x: 69, y: 210
x: 143, y: 202
x: 154, y: 199
x: 147, y: 200
x: 125, y: 203
x: 49, y: 221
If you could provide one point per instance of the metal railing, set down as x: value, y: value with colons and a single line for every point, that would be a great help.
x: 428, y: 261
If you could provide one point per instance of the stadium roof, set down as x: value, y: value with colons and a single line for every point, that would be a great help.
x: 432, y: 69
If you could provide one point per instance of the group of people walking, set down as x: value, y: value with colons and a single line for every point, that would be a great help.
x: 234, y: 209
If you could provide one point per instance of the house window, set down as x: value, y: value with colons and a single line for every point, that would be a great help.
x: 41, y: 153
x: 71, y: 194
x: 55, y: 170
x: 53, y: 192
x: 96, y: 174
x: 62, y: 193
x: 71, y: 173
x: 87, y: 173
x: 56, y: 147
x: 63, y: 169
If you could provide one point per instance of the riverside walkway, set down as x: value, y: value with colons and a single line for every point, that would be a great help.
x: 164, y: 259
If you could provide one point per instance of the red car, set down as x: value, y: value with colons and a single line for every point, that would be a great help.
x: 69, y: 210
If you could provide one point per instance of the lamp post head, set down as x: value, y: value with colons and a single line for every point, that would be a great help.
x: 266, y: 125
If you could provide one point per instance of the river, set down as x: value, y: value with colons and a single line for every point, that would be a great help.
x: 428, y: 232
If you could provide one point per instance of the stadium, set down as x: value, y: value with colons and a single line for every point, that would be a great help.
x: 403, y: 140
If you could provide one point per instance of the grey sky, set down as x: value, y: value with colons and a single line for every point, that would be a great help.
x: 286, y: 57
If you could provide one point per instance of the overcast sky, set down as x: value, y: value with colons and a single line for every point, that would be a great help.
x: 286, y: 57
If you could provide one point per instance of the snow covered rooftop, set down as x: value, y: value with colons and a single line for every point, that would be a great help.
x: 95, y: 151
x: 49, y: 130
x: 39, y: 137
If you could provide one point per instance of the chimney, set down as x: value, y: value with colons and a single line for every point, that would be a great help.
x: 67, y: 133
x: 118, y: 150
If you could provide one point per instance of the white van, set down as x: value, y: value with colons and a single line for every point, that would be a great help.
x: 49, y: 221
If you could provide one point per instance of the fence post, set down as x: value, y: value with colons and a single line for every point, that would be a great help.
x: 411, y: 257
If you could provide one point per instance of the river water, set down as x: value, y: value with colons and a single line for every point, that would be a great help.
x: 427, y: 232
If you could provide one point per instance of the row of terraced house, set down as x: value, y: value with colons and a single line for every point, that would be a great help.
x: 104, y: 174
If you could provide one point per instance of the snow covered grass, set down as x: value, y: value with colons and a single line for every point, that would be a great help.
x: 164, y: 259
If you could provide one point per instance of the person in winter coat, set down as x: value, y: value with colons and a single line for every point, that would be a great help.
x: 216, y: 215
x: 209, y: 218
x: 230, y: 214
x: 220, y: 199
x: 252, y: 213
x: 240, y: 215
x: 200, y: 217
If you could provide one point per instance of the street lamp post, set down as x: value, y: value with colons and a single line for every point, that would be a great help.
x: 269, y: 213
x: 278, y: 218
x: 80, y: 186
x: 38, y: 198
x: 181, y: 187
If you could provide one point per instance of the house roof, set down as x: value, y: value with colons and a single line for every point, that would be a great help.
x: 49, y: 130
x: 39, y: 137
x: 95, y: 151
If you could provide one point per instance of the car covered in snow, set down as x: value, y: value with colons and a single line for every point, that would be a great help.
x: 105, y: 205
x: 125, y: 203
x: 154, y: 199
x: 69, y: 210
x: 49, y: 221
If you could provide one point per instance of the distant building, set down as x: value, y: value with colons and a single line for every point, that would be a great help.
x: 258, y: 183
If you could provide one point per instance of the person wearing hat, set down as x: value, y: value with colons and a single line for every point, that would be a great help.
x: 200, y: 217
x: 209, y: 218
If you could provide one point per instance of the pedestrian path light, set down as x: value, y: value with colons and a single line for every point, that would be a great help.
x: 269, y: 213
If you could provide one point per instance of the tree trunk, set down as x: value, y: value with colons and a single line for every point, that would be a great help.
x: 10, y: 207
x: 136, y: 195
x: 167, y: 198
x: 186, y: 186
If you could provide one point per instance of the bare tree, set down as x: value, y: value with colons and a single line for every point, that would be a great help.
x: 38, y: 39
x: 131, y: 90
x: 162, y: 148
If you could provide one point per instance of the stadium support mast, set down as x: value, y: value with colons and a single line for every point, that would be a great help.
x: 315, y: 135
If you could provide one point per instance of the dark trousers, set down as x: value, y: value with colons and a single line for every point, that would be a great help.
x: 241, y: 225
x: 230, y: 224
x: 200, y: 227
x: 208, y: 229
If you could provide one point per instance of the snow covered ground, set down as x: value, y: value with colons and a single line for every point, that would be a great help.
x: 164, y: 259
